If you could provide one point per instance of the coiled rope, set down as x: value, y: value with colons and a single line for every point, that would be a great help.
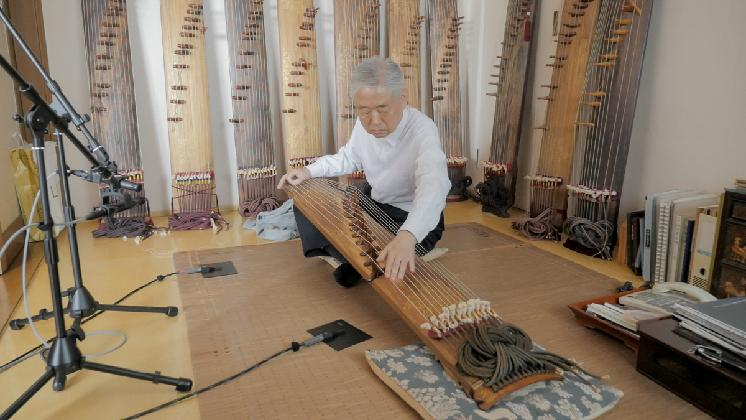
x: 539, y: 227
x: 592, y: 235
x: 197, y: 220
x: 254, y: 207
x: 502, y: 354
x: 129, y: 227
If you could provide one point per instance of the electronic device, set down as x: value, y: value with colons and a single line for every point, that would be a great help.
x: 663, y: 297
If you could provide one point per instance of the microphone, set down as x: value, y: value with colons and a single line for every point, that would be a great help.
x: 129, y: 185
x: 115, y: 182
x: 108, y: 208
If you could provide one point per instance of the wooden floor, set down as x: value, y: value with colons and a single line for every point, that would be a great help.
x: 113, y: 267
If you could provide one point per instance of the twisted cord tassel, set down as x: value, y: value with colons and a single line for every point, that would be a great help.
x: 503, y: 354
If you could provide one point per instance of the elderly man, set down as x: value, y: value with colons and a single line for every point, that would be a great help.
x: 399, y: 150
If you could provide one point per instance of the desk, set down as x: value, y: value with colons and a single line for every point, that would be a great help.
x: 662, y: 356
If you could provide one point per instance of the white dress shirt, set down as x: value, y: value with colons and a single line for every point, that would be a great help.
x: 406, y: 169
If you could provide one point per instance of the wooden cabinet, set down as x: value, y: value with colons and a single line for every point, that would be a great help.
x: 729, y: 274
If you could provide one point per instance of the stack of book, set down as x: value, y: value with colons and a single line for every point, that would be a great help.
x: 722, y: 322
x: 674, y: 238
x: 645, y: 304
x: 622, y: 316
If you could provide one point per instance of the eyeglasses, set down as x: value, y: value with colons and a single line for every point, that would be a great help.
x: 365, y: 112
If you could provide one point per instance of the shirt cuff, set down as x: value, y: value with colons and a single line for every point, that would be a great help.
x: 418, y: 232
x: 315, y: 169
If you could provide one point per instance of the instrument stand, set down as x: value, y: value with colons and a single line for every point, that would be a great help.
x: 64, y: 357
x: 81, y: 303
x: 494, y: 196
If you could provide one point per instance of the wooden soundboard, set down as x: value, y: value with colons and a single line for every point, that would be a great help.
x: 405, y: 22
x: 356, y: 37
x: 188, y: 104
x: 112, y: 89
x: 252, y: 118
x: 565, y: 92
x: 301, y: 110
x: 509, y: 79
x: 444, y: 63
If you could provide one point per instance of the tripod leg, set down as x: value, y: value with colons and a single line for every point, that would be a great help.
x: 59, y: 381
x: 17, y: 324
x: 181, y: 384
x: 33, y: 389
x: 168, y: 310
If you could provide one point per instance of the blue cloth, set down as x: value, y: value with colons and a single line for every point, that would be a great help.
x: 275, y: 225
x: 415, y: 370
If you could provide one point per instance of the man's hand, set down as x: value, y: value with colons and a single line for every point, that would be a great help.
x: 399, y: 255
x: 294, y: 177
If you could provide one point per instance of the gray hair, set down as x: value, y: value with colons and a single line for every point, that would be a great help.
x: 378, y: 72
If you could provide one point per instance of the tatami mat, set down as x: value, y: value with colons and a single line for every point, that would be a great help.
x: 235, y: 321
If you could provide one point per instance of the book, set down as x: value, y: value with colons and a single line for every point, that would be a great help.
x: 663, y: 303
x: 728, y: 315
x: 686, y: 259
x: 712, y: 331
x: 633, y: 241
x: 702, y: 250
x: 649, y: 231
x: 676, y: 246
x: 712, y: 336
x: 665, y: 209
x: 680, y: 210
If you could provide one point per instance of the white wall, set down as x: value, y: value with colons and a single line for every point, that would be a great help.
x: 690, y: 108
x: 690, y: 124
x: 67, y: 65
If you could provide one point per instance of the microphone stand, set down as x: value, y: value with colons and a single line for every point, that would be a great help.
x: 64, y: 356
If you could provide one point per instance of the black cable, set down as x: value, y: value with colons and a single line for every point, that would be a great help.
x: 36, y: 349
x: 294, y: 346
x: 209, y: 387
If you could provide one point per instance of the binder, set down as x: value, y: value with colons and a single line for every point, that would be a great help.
x: 661, y: 226
x: 649, y: 233
x: 687, y: 258
x: 702, y: 251
x: 682, y: 209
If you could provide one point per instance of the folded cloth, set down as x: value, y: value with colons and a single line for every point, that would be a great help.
x: 275, y: 225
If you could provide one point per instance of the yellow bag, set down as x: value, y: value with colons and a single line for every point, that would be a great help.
x: 26, y: 179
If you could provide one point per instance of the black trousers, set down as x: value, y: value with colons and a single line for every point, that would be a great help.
x: 315, y: 244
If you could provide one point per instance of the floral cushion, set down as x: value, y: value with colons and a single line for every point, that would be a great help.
x: 414, y: 370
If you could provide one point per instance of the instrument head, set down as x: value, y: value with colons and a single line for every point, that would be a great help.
x: 378, y: 93
x: 379, y: 111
